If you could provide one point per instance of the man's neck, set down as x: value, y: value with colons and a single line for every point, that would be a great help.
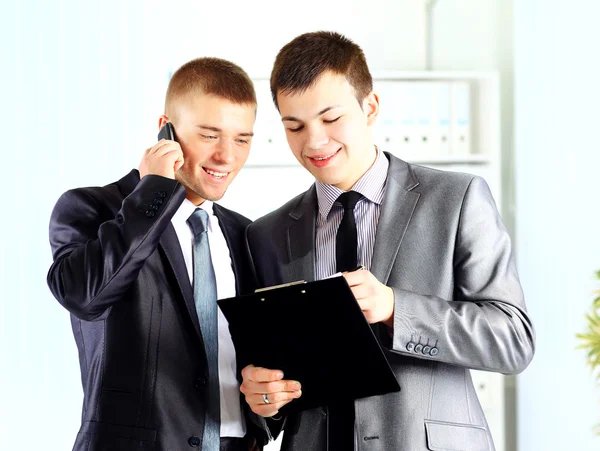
x: 364, y: 168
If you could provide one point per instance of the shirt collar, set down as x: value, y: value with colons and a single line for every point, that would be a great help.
x: 186, y: 209
x: 371, y: 185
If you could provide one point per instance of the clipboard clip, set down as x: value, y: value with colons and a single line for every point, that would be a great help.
x: 283, y: 285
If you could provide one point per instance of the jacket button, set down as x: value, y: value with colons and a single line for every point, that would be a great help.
x: 434, y: 351
x: 162, y: 194
x: 157, y: 201
x: 194, y: 441
x: 150, y: 213
x: 153, y: 207
x: 426, y: 349
x: 418, y: 348
x: 410, y: 346
x: 200, y: 382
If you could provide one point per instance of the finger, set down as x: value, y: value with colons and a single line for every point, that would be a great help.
x: 280, y: 386
x: 362, y: 291
x: 249, y: 387
x: 259, y: 374
x: 366, y: 303
x: 162, y: 144
x: 273, y: 398
x: 178, y: 164
x: 168, y: 147
x: 370, y: 317
x: 173, y: 154
x: 247, y: 371
x: 354, y: 278
x: 156, y: 146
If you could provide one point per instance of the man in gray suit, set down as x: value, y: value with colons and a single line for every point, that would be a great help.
x: 440, y: 287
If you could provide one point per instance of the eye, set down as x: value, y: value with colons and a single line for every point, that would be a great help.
x: 243, y: 141
x: 296, y: 129
x: 209, y: 137
x: 332, y: 120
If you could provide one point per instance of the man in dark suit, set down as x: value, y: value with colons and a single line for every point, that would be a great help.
x: 140, y: 263
x: 440, y: 287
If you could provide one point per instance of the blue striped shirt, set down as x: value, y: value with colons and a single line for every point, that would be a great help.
x: 366, y: 213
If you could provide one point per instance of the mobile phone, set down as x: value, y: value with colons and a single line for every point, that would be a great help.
x: 167, y: 132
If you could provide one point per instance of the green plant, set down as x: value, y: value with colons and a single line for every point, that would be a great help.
x: 591, y: 338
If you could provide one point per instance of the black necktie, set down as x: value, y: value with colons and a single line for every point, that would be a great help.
x: 341, y: 413
x: 346, y: 241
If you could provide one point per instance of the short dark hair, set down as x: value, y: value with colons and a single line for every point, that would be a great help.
x: 304, y: 59
x: 211, y: 76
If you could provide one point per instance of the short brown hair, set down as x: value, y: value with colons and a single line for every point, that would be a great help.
x: 210, y: 76
x: 304, y: 59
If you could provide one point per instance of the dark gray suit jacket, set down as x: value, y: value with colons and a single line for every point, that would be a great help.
x: 119, y: 270
x: 441, y: 246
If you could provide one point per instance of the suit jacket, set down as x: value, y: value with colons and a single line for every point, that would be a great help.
x: 441, y: 246
x: 119, y: 270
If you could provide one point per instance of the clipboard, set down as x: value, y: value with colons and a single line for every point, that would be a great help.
x: 316, y: 334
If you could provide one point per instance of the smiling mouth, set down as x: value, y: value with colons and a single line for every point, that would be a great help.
x: 327, y: 157
x: 216, y: 174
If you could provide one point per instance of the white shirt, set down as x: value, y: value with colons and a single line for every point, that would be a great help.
x: 232, y: 420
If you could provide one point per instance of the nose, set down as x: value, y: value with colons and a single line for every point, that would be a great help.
x: 225, y: 151
x: 317, y: 138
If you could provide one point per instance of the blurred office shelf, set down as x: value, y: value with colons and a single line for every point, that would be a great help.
x: 432, y: 160
x: 451, y: 159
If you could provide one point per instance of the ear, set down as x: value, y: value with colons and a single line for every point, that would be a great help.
x: 162, y: 121
x: 371, y: 107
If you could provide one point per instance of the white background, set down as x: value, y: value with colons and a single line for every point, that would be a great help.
x: 82, y: 88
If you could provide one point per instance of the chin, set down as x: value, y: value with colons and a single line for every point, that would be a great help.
x: 327, y: 179
x: 213, y: 197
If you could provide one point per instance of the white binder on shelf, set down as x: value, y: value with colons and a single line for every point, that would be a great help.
x: 385, y: 130
x: 460, y: 143
x: 423, y: 106
x: 440, y: 119
x: 405, y: 95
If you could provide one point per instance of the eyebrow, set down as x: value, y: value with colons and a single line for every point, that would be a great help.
x: 218, y: 130
x: 323, y: 111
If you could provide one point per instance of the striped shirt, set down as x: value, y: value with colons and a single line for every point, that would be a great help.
x: 366, y: 213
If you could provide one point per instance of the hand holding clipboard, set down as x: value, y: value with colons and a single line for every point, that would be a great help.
x: 313, y: 352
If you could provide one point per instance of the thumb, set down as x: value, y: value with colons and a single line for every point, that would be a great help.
x: 178, y: 164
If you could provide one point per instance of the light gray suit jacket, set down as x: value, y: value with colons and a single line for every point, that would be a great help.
x: 442, y: 247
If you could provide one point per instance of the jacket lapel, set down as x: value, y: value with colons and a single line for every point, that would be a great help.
x: 170, y: 245
x: 397, y: 209
x: 301, y: 240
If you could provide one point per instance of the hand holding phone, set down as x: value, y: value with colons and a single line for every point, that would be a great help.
x: 165, y: 157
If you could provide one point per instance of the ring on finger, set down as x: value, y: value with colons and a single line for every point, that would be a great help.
x: 265, y: 398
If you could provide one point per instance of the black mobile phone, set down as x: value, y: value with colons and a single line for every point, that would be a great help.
x: 167, y: 132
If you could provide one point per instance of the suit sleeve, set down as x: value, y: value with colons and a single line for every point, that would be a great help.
x: 486, y: 325
x: 95, y: 259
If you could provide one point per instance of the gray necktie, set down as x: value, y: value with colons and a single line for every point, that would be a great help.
x: 205, y: 298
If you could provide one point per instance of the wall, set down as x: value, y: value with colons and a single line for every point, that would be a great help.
x: 557, y: 159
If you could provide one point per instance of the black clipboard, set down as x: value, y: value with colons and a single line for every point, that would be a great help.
x: 316, y: 334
